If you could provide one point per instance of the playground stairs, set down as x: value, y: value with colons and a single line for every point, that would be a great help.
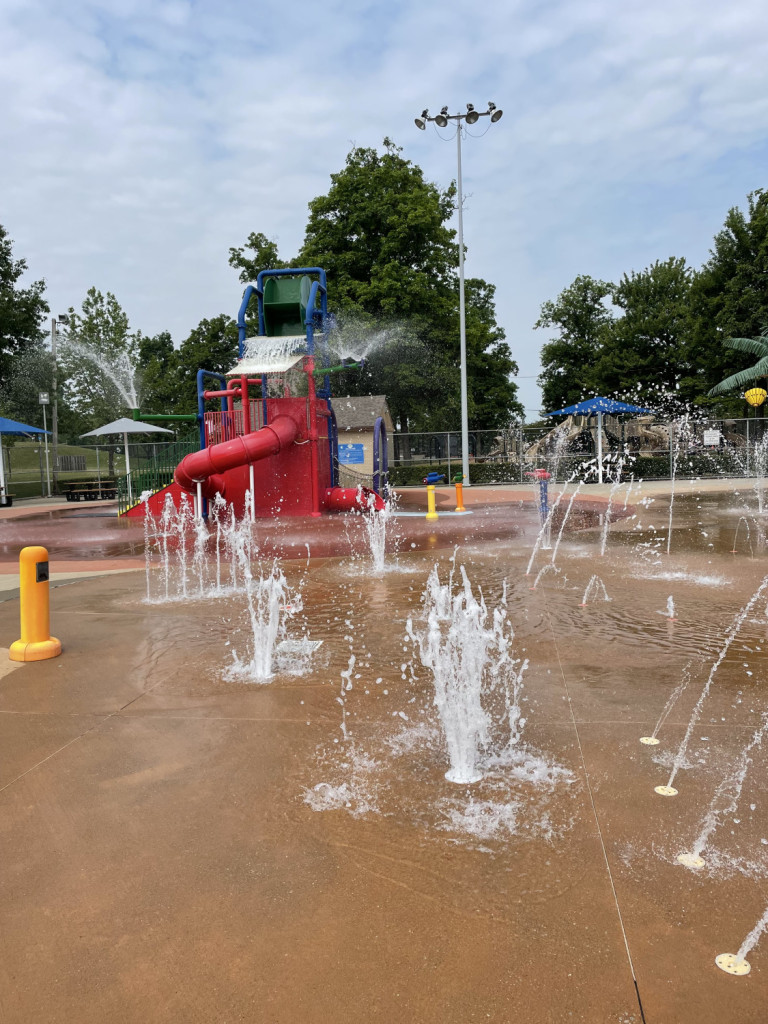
x: 154, y: 475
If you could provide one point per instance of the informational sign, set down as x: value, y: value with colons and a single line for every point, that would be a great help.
x: 43, y: 398
x: 351, y: 454
x: 712, y: 438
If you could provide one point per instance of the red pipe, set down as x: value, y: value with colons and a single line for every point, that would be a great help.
x: 206, y: 466
x: 309, y: 366
x: 246, y: 404
x: 229, y: 393
x: 348, y: 499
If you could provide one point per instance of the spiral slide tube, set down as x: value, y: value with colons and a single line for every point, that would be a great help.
x: 206, y: 466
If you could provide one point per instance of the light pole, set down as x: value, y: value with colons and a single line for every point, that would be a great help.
x: 55, y: 411
x: 441, y: 120
x: 43, y: 399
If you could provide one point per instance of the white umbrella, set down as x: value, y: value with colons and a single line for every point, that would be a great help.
x: 125, y: 427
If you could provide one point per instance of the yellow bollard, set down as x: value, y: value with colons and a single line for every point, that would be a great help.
x: 431, y: 512
x: 36, y: 643
x: 460, y: 497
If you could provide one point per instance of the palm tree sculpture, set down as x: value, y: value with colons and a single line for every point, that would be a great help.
x: 755, y: 347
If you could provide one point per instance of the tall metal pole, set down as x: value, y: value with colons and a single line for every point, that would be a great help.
x: 55, y: 413
x: 462, y: 323
x: 442, y: 120
x: 47, y: 467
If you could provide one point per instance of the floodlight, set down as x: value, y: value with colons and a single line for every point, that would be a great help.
x: 472, y: 115
x: 496, y: 115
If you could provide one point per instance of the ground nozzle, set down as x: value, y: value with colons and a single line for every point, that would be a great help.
x: 650, y: 741
x: 665, y: 790
x: 731, y: 964
x: 463, y: 778
x: 690, y: 860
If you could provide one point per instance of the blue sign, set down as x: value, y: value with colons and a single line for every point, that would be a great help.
x: 351, y: 454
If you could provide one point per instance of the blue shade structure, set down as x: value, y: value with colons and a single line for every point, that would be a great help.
x: 19, y: 429
x: 597, y: 407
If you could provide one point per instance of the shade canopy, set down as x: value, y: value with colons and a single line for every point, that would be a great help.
x: 126, y: 426
x: 594, y: 406
x: 12, y: 427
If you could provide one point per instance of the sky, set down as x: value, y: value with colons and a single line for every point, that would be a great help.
x: 140, y: 139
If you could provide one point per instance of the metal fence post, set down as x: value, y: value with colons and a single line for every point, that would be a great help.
x: 520, y: 450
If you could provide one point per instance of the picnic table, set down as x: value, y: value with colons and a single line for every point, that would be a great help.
x: 89, y: 490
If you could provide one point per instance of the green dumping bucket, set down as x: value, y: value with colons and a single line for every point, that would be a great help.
x: 285, y: 305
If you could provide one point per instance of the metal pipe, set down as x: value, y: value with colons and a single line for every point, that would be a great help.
x: 462, y: 325
x: 152, y: 417
x: 55, y: 411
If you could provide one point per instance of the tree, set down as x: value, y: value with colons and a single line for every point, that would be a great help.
x: 381, y: 233
x: 729, y: 299
x: 22, y: 311
x: 493, y: 395
x: 212, y: 345
x: 644, y: 349
x: 158, y: 371
x: 98, y: 358
x: 264, y: 257
x: 583, y: 322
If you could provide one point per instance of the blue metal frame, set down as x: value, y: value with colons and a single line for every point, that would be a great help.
x: 380, y: 459
x: 320, y: 287
x: 201, y: 375
x: 333, y: 439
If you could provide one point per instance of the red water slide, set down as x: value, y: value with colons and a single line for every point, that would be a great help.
x: 207, y: 466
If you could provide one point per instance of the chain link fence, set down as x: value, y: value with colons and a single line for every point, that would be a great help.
x: 643, y: 447
x: 27, y: 474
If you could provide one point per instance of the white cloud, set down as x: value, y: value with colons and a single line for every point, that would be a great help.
x: 140, y: 140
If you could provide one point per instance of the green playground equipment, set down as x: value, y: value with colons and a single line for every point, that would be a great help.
x: 285, y: 305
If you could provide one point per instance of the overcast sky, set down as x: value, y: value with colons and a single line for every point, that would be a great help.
x: 140, y: 139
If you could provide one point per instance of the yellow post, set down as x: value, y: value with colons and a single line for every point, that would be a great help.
x: 36, y: 643
x: 460, y: 497
x: 431, y: 513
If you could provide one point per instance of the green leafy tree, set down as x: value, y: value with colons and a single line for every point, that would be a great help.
x: 583, y: 323
x: 644, y: 349
x: 22, y: 311
x: 729, y: 300
x: 212, y: 345
x: 158, y: 369
x: 98, y: 358
x: 259, y: 253
x: 381, y: 233
x: 492, y: 396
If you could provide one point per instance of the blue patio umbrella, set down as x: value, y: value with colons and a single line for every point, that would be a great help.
x: 596, y: 407
x: 19, y: 429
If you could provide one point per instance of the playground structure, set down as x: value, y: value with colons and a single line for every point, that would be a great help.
x: 274, y: 410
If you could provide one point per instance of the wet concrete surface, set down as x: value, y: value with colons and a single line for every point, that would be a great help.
x: 159, y: 861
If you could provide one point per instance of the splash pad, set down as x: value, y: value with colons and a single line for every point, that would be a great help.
x: 313, y: 799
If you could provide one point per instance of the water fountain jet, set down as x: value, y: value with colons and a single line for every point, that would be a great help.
x: 736, y: 625
x: 737, y: 963
x: 468, y: 653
